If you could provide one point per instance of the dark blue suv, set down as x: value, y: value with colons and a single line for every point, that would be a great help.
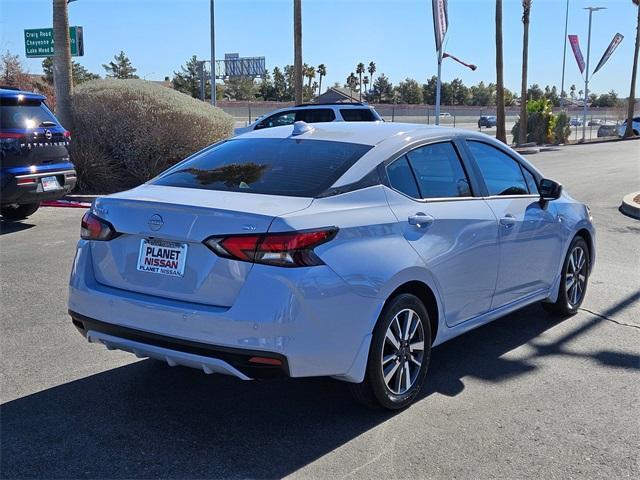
x: 34, y: 154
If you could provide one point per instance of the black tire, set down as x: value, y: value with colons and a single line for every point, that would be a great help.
x: 19, y: 212
x: 374, y: 391
x: 568, y: 302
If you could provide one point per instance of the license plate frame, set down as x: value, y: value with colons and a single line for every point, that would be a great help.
x: 162, y: 257
x: 49, y: 184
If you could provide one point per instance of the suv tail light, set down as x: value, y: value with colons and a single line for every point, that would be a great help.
x: 93, y: 227
x: 289, y: 249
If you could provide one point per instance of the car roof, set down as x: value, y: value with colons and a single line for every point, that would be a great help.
x: 10, y: 92
x: 364, y: 133
x: 388, y: 139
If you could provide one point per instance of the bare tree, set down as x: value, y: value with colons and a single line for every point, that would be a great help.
x: 501, y: 133
x: 522, y: 131
x: 632, y: 92
x: 62, y: 77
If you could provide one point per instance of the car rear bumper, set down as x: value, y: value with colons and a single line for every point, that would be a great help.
x: 14, y: 191
x: 306, y: 317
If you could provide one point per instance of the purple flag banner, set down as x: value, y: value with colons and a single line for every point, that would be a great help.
x: 575, y: 46
x: 617, y: 40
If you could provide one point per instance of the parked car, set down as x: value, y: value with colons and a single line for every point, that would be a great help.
x: 594, y: 122
x: 607, y: 131
x: 575, y: 122
x: 314, y: 113
x: 330, y: 250
x: 488, y: 121
x: 34, y: 156
x: 635, y: 125
x: 445, y: 114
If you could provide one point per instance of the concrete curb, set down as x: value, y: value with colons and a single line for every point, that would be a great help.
x: 80, y: 198
x: 629, y: 206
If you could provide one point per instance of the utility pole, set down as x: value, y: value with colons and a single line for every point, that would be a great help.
x: 62, y: 76
x: 297, y: 50
x: 586, y: 77
x: 564, y: 55
x: 213, y: 56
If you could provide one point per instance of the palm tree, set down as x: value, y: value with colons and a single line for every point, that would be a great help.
x: 526, y: 10
x: 360, y: 71
x: 501, y: 133
x: 314, y: 88
x: 632, y: 92
x: 371, y: 70
x: 310, y: 73
x: 297, y: 50
x: 62, y: 76
x: 322, y: 71
x: 365, y: 82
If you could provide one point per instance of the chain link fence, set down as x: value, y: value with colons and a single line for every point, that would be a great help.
x: 605, y: 120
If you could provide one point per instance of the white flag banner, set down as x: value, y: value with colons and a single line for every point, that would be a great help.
x: 440, y: 21
x: 617, y: 40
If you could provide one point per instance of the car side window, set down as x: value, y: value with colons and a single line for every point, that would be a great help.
x: 277, y: 120
x: 501, y: 173
x: 401, y: 177
x: 531, y: 181
x: 439, y: 171
x: 315, y: 115
x: 357, y: 115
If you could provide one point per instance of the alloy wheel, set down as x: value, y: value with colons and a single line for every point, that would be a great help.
x: 576, y: 276
x: 402, y: 351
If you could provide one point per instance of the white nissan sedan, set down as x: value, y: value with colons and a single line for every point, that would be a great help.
x: 333, y: 249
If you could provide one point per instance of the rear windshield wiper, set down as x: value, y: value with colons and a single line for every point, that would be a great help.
x: 47, y: 123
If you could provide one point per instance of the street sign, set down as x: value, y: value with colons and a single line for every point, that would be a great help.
x: 38, y: 42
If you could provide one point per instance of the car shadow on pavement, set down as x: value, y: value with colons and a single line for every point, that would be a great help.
x: 13, y: 226
x: 149, y: 420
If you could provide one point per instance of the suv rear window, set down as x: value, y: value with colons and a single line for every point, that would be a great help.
x: 358, y: 115
x: 316, y: 115
x: 24, y: 114
x: 273, y: 166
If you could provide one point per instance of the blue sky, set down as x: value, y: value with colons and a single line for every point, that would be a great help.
x: 159, y: 35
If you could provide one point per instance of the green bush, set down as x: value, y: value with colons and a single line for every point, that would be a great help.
x: 541, y: 122
x: 562, y: 128
x: 127, y: 131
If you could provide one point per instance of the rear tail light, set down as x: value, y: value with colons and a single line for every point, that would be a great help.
x: 67, y: 134
x: 11, y: 135
x: 26, y: 181
x: 95, y: 228
x: 289, y: 249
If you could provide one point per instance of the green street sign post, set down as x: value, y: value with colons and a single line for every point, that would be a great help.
x: 38, y: 42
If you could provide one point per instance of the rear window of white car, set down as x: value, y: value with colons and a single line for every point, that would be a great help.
x: 358, y: 115
x: 273, y: 166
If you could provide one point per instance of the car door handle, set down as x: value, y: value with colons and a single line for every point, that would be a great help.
x: 421, y: 220
x: 508, y: 220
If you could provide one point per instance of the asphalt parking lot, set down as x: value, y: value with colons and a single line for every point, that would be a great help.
x: 526, y: 396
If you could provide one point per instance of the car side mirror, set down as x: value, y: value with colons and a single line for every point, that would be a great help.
x: 549, y: 190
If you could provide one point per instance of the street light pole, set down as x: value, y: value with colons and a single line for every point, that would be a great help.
x: 564, y: 55
x: 213, y: 57
x: 586, y: 77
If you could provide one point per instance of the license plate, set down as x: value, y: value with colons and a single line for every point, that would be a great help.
x: 165, y: 258
x: 49, y: 183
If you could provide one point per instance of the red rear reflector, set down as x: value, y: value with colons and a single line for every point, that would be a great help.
x: 11, y: 135
x: 266, y: 361
x: 26, y: 181
x: 67, y: 134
